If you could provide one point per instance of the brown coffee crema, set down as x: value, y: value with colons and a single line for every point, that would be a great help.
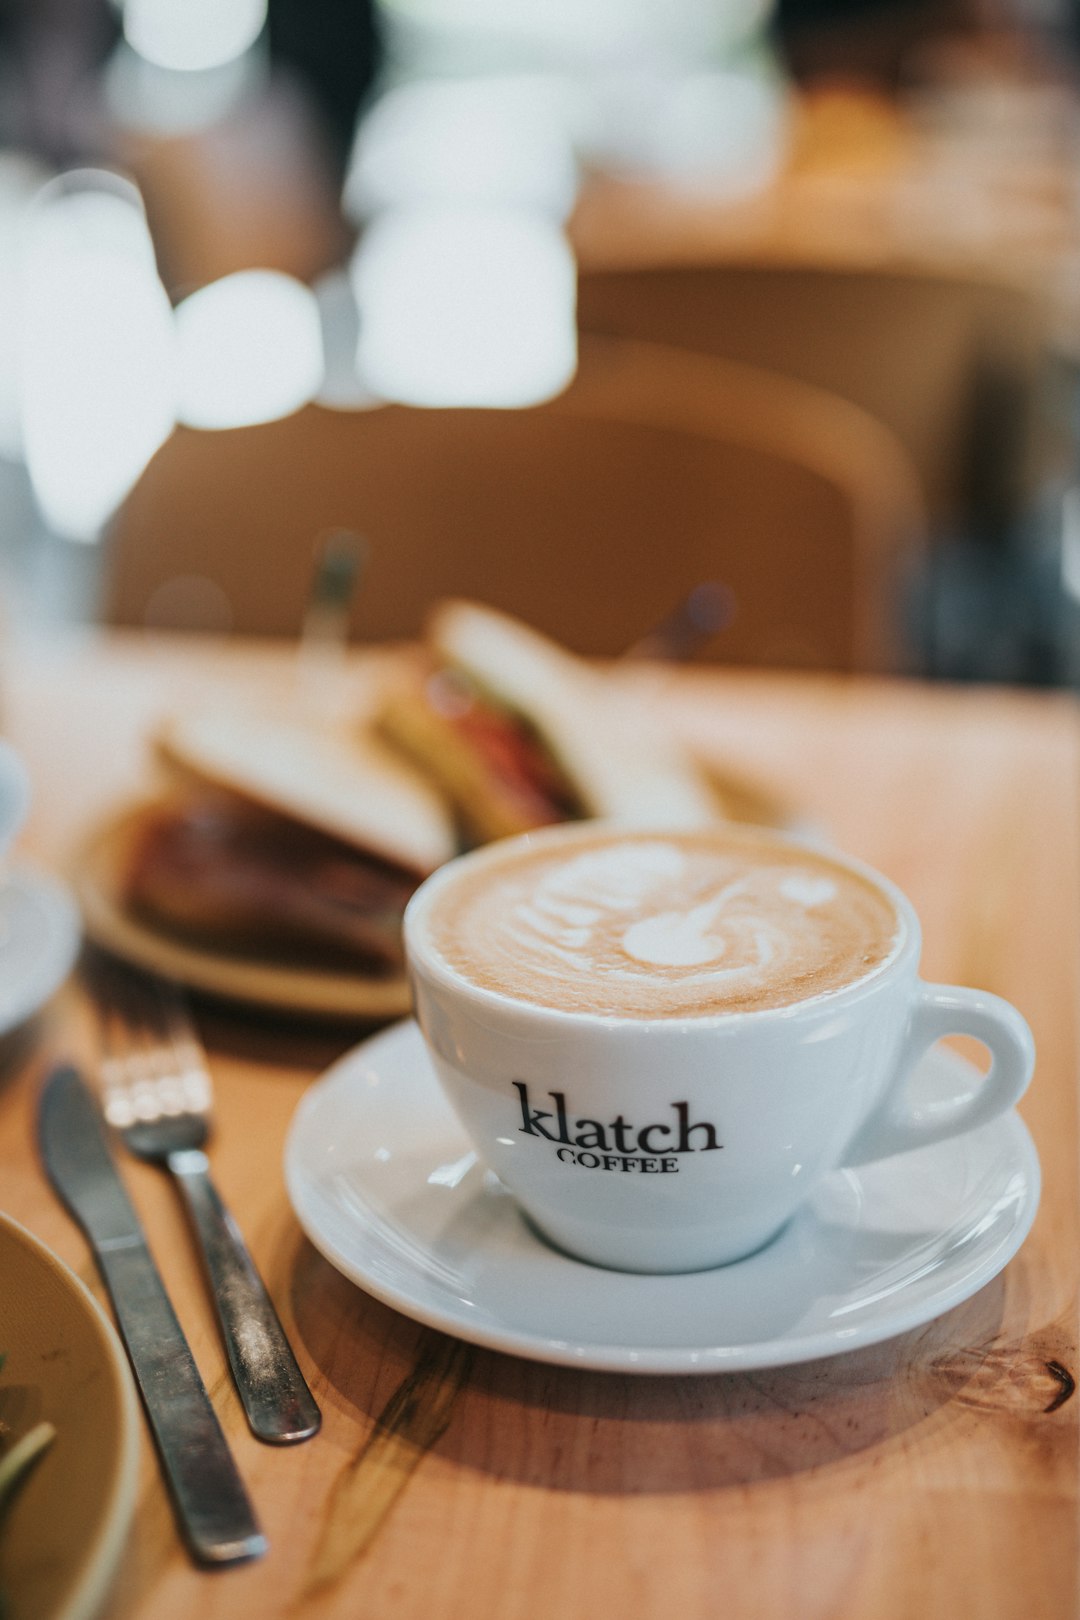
x: 647, y: 925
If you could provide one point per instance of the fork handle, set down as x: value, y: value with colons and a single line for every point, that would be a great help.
x: 279, y: 1405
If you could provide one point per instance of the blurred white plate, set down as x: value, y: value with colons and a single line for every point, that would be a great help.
x: 39, y: 941
x: 385, y: 1185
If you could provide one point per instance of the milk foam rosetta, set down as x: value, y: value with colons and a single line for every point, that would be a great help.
x: 677, y: 925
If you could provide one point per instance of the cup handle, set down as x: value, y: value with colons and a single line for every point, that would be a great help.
x: 896, y: 1124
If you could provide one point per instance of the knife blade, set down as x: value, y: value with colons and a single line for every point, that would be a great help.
x: 213, y: 1510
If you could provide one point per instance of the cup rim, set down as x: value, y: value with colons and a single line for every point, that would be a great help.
x: 421, y: 956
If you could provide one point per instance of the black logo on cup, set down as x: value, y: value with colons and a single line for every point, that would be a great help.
x: 619, y: 1145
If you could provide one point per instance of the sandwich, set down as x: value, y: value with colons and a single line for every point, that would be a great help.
x: 297, y: 842
x: 285, y: 841
x: 518, y: 733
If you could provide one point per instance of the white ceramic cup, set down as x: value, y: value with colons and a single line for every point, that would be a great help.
x: 728, y: 1120
x: 14, y: 796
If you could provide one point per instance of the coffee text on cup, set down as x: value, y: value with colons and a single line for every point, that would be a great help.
x: 619, y: 1145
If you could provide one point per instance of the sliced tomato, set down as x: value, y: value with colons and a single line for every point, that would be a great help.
x: 509, y: 749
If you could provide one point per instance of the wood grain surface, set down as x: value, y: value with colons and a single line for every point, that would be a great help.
x: 932, y: 1475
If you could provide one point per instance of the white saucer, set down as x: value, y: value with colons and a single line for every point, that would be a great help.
x: 39, y: 941
x: 384, y: 1184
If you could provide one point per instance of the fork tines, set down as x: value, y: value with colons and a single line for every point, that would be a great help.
x: 151, y: 1061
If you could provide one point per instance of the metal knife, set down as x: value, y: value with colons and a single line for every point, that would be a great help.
x: 213, y: 1511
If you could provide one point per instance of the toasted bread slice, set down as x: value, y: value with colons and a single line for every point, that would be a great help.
x: 343, y: 782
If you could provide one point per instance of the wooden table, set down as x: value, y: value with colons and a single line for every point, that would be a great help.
x: 933, y: 1475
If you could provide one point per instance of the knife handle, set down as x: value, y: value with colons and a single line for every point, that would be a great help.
x: 213, y: 1508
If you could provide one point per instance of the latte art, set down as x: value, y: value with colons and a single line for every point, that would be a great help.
x: 645, y: 925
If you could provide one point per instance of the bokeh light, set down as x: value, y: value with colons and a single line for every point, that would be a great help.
x: 249, y: 350
x: 501, y: 139
x: 96, y: 352
x: 465, y: 306
x: 20, y: 179
x: 192, y: 35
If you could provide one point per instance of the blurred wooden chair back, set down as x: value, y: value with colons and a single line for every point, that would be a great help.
x: 589, y: 517
x: 950, y: 363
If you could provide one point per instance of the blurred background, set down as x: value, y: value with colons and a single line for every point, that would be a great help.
x: 611, y: 312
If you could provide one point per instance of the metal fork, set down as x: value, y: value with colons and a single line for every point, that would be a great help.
x: 157, y: 1095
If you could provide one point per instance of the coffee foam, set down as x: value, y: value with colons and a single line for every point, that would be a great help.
x: 641, y: 925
